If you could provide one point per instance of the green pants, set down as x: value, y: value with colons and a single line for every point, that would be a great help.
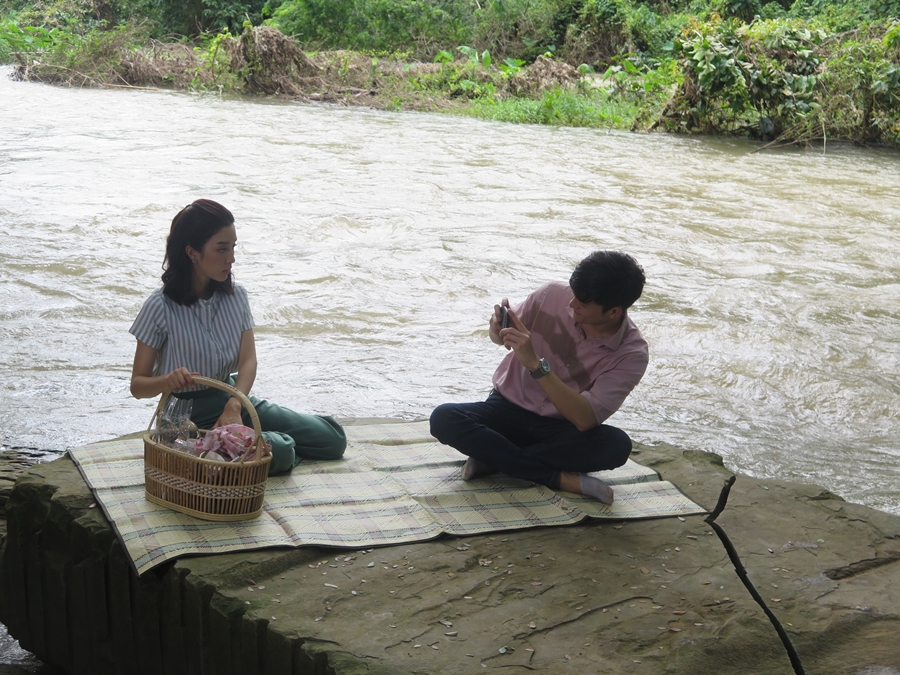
x: 292, y: 435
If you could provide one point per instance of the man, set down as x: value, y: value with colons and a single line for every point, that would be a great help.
x: 575, y: 355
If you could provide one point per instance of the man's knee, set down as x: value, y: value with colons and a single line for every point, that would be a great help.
x: 615, y: 444
x: 621, y: 440
x: 620, y: 447
x: 443, y: 420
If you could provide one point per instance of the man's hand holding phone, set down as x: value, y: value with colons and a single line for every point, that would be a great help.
x: 499, y: 321
x: 508, y: 330
x: 518, y: 338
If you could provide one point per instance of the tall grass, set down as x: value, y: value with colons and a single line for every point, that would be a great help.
x: 559, y: 107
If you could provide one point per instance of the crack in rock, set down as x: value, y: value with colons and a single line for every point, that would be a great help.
x: 860, y: 566
x: 593, y: 610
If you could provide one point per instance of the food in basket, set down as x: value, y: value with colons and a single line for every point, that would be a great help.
x: 229, y: 444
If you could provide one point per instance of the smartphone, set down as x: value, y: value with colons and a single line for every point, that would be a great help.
x: 504, y: 317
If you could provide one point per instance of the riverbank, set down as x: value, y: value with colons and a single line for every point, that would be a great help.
x: 778, y: 81
x: 637, y: 596
x: 265, y: 63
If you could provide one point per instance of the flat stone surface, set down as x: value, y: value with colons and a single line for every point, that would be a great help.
x: 653, y: 596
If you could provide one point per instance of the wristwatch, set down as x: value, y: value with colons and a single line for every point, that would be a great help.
x: 542, y: 370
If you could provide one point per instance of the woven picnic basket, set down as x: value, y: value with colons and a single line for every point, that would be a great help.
x: 207, y: 489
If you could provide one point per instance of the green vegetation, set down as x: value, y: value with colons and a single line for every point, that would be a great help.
x: 791, y: 71
x: 786, y: 79
x: 559, y: 107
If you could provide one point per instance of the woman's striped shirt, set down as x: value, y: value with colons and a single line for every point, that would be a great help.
x: 204, y: 338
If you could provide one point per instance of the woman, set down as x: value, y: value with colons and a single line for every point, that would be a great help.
x: 199, y: 323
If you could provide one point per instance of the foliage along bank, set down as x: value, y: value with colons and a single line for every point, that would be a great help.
x: 795, y: 71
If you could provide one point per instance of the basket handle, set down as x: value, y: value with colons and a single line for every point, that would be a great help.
x: 224, y: 386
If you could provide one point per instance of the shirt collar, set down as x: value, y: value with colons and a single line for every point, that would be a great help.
x: 612, y: 341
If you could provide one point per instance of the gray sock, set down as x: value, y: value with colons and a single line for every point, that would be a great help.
x: 596, y: 488
x: 474, y: 468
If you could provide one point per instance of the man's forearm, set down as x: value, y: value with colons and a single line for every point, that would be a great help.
x: 572, y: 405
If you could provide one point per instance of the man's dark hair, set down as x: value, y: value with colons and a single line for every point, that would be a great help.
x: 193, y: 226
x: 609, y: 279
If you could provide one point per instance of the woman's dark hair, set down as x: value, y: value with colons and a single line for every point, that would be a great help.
x: 609, y: 279
x: 193, y: 226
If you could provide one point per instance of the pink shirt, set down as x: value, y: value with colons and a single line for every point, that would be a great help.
x: 604, y: 370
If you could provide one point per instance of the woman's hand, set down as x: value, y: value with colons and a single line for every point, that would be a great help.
x: 146, y: 385
x: 179, y: 378
x: 518, y: 338
x: 231, y: 414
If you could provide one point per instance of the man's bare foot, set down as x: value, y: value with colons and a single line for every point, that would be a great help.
x: 583, y: 484
x: 473, y: 469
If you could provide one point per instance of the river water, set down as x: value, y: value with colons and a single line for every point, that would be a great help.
x: 374, y: 244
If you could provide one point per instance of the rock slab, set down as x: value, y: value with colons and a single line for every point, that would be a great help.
x: 654, y: 596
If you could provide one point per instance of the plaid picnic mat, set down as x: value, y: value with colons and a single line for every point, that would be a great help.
x: 395, y: 484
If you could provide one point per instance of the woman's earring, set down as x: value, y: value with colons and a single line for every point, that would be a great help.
x: 194, y: 260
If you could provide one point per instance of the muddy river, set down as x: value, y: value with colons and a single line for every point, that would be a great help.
x: 373, y: 245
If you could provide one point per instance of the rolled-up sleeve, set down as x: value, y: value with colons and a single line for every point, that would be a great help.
x: 611, y: 388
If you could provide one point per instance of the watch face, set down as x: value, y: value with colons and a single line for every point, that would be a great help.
x: 542, y: 369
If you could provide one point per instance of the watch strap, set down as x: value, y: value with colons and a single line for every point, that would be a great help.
x: 543, y: 369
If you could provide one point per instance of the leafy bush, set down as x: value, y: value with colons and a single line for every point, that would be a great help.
x: 744, y: 10
x: 598, y: 32
x: 643, y: 84
x: 470, y: 79
x: 773, y: 10
x: 61, y: 57
x: 784, y: 78
x: 195, y: 17
x: 606, y: 29
x: 521, y: 29
x: 744, y: 78
x: 422, y: 27
x: 838, y: 17
x: 161, y: 17
x: 17, y: 44
x: 861, y: 87
x: 73, y: 16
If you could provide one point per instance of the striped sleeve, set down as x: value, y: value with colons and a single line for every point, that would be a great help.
x: 246, y: 320
x: 150, y: 325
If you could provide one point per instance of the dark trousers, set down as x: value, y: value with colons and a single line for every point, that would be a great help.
x: 524, y: 444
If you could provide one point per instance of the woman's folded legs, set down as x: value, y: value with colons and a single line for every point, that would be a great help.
x: 296, y: 436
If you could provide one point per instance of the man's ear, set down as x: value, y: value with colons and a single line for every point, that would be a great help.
x: 616, y: 313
